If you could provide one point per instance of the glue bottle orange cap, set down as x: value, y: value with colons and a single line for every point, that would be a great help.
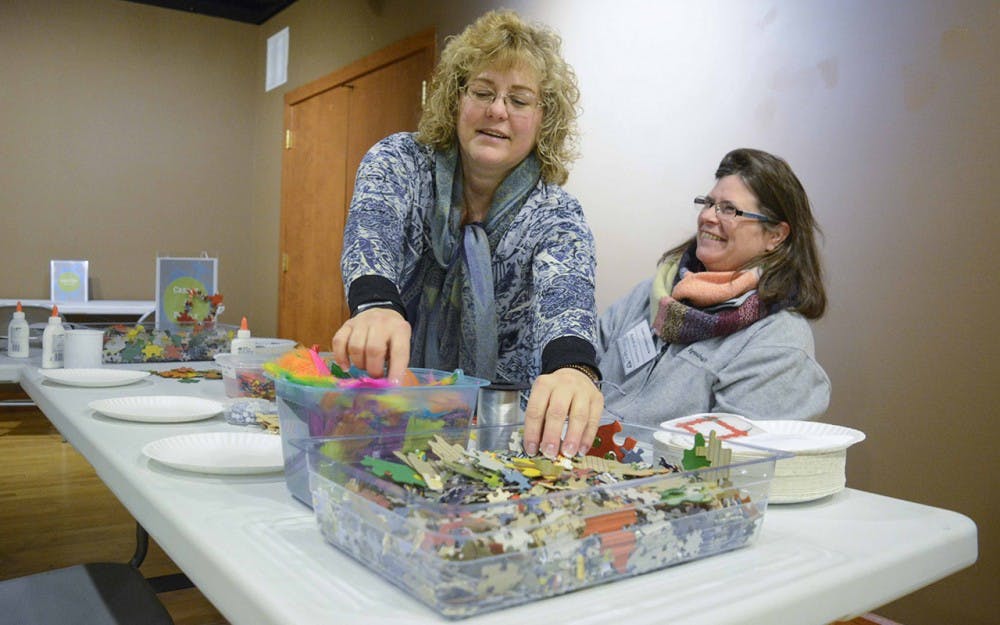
x: 242, y: 343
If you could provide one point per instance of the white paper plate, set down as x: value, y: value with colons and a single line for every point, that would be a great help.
x: 158, y: 409
x: 219, y: 452
x: 725, y: 425
x: 93, y: 377
x: 805, y: 437
x: 799, y: 437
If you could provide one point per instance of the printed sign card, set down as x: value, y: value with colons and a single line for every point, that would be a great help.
x: 68, y: 280
x: 186, y: 292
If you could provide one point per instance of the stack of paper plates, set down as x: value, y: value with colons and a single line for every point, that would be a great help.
x: 816, y: 470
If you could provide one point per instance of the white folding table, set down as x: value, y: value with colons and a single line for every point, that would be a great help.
x: 258, y: 556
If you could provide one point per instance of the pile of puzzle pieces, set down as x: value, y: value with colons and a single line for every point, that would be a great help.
x: 468, y: 530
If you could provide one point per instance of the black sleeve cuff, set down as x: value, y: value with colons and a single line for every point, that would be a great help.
x: 377, y: 291
x: 569, y: 350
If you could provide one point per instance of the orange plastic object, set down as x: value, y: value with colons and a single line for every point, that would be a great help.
x: 409, y: 379
x: 298, y: 362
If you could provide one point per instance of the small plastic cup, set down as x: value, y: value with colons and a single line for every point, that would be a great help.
x: 83, y: 349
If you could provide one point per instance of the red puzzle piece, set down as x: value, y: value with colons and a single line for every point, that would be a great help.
x: 605, y: 445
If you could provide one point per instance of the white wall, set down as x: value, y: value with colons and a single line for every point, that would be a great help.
x: 875, y: 104
x: 886, y: 109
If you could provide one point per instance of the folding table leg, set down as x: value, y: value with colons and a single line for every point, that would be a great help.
x: 160, y: 583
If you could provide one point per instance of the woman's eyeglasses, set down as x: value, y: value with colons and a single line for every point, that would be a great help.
x: 725, y: 210
x: 518, y: 103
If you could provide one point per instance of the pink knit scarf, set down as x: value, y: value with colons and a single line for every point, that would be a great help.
x: 695, y: 307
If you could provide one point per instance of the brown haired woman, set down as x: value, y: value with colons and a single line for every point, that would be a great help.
x: 722, y: 326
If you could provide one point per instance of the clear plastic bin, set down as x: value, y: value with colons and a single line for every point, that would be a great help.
x: 308, y: 411
x: 463, y: 560
x: 243, y: 375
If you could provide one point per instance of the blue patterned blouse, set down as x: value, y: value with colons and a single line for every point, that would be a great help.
x: 543, y: 263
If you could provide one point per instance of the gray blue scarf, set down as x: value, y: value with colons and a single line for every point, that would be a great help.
x: 456, y: 321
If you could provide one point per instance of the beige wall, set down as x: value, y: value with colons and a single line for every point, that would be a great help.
x: 149, y: 130
x: 126, y: 131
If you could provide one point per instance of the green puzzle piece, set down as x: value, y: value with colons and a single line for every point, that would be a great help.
x: 399, y: 473
x: 692, y: 459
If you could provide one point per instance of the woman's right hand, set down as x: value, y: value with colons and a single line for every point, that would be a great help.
x: 372, y: 337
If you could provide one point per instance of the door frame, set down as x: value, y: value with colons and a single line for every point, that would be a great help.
x: 376, y: 60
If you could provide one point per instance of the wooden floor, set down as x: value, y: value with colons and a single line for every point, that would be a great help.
x: 56, y: 512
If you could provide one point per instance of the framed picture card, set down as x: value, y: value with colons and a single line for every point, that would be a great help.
x: 68, y: 280
x: 186, y: 292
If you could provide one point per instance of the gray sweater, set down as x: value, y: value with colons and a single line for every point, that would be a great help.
x: 765, y: 371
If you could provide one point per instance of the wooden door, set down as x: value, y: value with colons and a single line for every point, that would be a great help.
x: 330, y: 124
x: 312, y: 223
x: 384, y: 102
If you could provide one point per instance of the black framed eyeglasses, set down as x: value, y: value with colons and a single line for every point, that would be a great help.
x: 725, y: 210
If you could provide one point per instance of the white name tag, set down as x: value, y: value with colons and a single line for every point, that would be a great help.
x: 636, y: 347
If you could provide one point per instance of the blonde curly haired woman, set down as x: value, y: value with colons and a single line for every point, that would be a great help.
x: 461, y: 250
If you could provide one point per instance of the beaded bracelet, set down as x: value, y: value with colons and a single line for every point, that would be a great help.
x: 587, y: 371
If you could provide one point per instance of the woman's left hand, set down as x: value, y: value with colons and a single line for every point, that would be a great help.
x: 564, y: 393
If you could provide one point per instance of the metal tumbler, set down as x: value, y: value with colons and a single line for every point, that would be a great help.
x: 499, y: 405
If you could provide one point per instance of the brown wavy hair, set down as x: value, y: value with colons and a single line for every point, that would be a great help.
x: 791, y: 273
x: 501, y: 40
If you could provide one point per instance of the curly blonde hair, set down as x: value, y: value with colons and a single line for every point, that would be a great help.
x: 501, y: 40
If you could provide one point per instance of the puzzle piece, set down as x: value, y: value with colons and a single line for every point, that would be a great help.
x: 486, y: 460
x: 497, y: 579
x: 515, y: 444
x: 418, y: 433
x: 549, y: 470
x: 445, y: 450
x: 613, y: 467
x: 697, y: 456
x: 399, y: 473
x: 604, y: 443
x: 491, y: 480
x: 515, y: 477
x: 426, y: 470
x: 497, y: 495
x: 632, y: 456
x: 526, y: 466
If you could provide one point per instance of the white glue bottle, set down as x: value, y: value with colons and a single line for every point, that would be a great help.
x: 17, y: 335
x: 242, y: 344
x: 53, y: 342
